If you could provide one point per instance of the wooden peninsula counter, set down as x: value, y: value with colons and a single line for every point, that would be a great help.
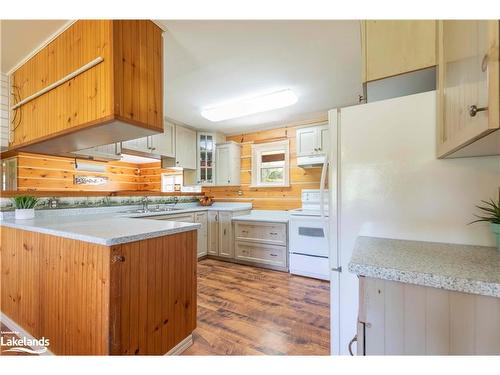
x: 99, y: 285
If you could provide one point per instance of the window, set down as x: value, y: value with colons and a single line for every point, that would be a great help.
x: 171, y: 181
x: 270, y: 164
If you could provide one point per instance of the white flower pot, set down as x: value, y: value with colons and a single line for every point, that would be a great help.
x: 25, y: 213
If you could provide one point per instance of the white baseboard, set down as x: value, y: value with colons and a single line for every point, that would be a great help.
x: 13, y: 326
x: 180, y: 347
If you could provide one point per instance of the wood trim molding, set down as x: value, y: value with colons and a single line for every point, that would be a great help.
x: 182, y: 346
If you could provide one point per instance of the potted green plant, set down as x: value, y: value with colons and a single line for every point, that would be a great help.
x: 25, y: 206
x: 491, y: 214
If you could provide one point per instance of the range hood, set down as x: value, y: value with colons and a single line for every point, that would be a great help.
x: 313, y: 161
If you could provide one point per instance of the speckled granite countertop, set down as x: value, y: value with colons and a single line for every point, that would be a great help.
x: 113, y: 225
x: 270, y: 216
x: 462, y: 268
x: 104, y: 229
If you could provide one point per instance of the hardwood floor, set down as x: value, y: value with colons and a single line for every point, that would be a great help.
x: 249, y: 311
x: 252, y: 311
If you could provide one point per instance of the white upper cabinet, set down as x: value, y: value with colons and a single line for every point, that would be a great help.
x: 164, y: 143
x: 312, y: 140
x: 139, y: 144
x: 323, y: 138
x: 104, y: 152
x: 228, y: 160
x: 185, y: 147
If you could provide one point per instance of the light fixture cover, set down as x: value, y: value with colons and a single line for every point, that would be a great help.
x: 249, y: 106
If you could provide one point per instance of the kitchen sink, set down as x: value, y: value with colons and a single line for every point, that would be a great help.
x: 153, y: 210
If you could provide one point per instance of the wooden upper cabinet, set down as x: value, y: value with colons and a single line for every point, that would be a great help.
x: 390, y: 48
x: 138, y: 72
x: 121, y: 96
x: 468, y: 88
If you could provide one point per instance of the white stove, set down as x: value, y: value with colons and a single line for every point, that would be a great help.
x: 308, y: 233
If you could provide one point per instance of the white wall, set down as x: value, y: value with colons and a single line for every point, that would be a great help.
x: 4, y: 111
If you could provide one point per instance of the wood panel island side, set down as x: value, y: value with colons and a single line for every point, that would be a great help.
x: 88, y: 298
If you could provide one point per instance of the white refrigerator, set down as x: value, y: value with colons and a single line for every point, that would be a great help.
x: 385, y: 181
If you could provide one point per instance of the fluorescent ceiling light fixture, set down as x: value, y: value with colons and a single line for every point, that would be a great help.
x: 249, y: 106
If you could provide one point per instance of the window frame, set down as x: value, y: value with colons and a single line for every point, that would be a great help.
x: 257, y: 150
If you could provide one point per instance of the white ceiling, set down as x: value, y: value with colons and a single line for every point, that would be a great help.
x: 211, y: 62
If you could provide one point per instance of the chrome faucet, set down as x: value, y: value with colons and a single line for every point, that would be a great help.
x: 145, y: 203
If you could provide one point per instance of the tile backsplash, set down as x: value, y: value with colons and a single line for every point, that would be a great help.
x: 82, y: 202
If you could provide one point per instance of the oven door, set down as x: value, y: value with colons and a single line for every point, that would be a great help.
x: 309, y: 235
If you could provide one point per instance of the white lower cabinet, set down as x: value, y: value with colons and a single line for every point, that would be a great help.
x: 213, y: 233
x: 225, y: 234
x: 261, y: 253
x: 261, y: 243
x: 220, y: 233
x: 202, y: 218
x: 404, y: 319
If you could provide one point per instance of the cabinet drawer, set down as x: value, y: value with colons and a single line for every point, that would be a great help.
x: 261, y: 253
x: 272, y: 233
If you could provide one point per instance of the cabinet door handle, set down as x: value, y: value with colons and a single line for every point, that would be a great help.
x: 273, y: 233
x: 349, y: 347
x: 244, y: 231
x: 484, y: 63
x: 274, y: 255
x: 473, y: 110
x: 224, y: 231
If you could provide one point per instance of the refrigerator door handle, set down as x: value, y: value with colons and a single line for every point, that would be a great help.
x: 337, y: 269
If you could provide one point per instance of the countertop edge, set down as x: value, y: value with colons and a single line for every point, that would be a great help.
x: 426, y: 279
x: 100, y: 241
x: 242, y: 218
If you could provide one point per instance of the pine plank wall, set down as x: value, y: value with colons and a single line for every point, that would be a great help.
x: 49, y: 173
x: 278, y: 198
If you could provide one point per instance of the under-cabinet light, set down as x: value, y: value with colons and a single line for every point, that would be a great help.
x: 89, y: 167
